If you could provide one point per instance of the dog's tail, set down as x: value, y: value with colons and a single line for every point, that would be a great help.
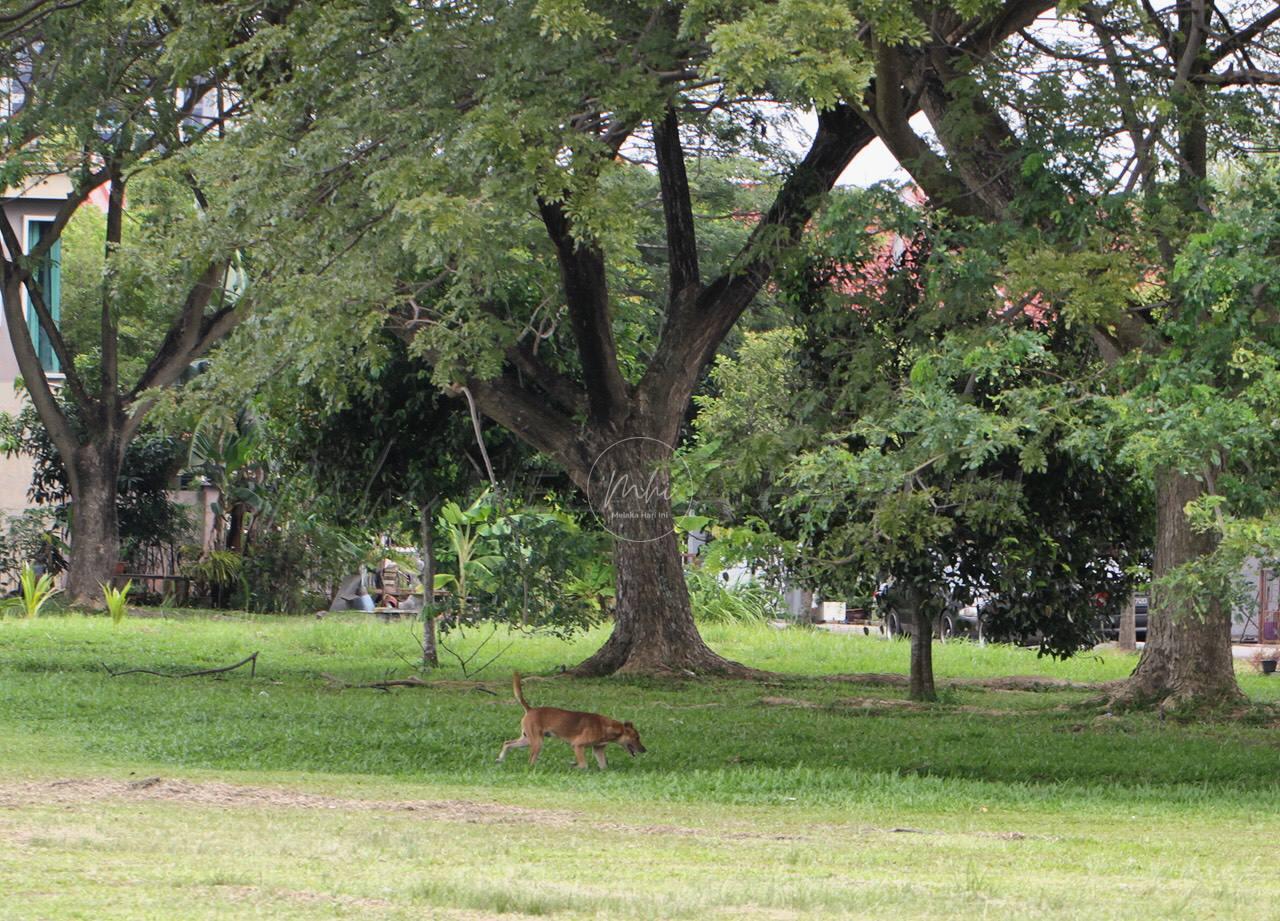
x: 515, y: 686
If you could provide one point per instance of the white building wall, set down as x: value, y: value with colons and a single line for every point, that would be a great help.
x: 39, y: 200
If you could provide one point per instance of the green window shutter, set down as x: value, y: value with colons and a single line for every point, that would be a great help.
x: 55, y: 297
x: 49, y: 281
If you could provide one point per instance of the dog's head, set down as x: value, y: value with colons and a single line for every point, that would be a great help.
x: 630, y: 740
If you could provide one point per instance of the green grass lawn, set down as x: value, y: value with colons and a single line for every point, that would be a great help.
x: 279, y: 796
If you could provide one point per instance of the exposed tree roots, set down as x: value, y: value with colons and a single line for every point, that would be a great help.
x: 872, y: 705
x: 696, y: 662
x: 1133, y: 694
x: 1010, y: 683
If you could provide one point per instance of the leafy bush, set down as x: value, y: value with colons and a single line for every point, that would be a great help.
x: 544, y: 572
x: 290, y: 565
x: 531, y: 567
x: 216, y: 574
x: 31, y: 537
x: 715, y: 602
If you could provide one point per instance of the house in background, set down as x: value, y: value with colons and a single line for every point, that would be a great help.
x: 30, y: 210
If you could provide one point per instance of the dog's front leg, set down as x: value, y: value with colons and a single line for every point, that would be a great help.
x: 600, y: 759
x: 580, y: 755
x: 521, y: 742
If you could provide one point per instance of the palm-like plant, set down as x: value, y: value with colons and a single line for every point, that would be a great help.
x: 115, y: 599
x: 36, y: 590
x: 225, y: 452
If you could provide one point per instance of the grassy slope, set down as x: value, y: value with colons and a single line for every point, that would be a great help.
x: 1043, y: 808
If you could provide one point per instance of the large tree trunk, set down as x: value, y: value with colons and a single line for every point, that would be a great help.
x: 95, y: 529
x: 914, y: 607
x: 653, y: 629
x: 921, y: 686
x: 1187, y: 657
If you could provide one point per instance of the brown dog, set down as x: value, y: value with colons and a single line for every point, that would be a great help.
x: 581, y: 730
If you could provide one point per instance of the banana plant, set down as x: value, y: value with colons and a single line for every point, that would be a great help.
x: 226, y: 453
x: 469, y: 533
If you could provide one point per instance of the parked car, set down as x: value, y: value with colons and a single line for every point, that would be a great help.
x: 957, y: 620
x: 965, y: 621
x: 1110, y: 628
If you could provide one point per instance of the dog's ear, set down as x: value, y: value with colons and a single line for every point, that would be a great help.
x: 628, y: 725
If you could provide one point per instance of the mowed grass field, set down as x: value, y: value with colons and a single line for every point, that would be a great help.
x: 279, y: 795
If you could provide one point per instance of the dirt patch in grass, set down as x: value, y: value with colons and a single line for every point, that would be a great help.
x: 18, y: 795
x: 788, y: 702
x: 32, y: 837
x: 213, y: 793
x: 257, y: 893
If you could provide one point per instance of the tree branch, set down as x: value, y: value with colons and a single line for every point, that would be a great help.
x: 890, y: 118
x: 109, y: 372
x: 251, y: 661
x: 38, y: 10
x: 1242, y: 37
x: 690, y: 341
x: 977, y: 40
x: 518, y: 410
x: 677, y: 210
x: 44, y: 317
x: 567, y: 394
x: 65, y: 212
x: 1244, y: 76
x: 586, y: 292
x: 42, y: 397
x: 411, y: 682
x: 190, y: 334
x: 1124, y: 93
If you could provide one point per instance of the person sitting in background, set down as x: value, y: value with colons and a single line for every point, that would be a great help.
x: 385, y: 580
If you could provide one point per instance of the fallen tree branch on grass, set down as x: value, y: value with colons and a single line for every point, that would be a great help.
x: 338, y: 684
x: 413, y: 681
x: 251, y: 661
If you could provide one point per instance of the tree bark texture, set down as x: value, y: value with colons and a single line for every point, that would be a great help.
x: 1187, y: 657
x: 95, y: 531
x: 654, y: 631
x: 1128, y: 638
x: 921, y: 686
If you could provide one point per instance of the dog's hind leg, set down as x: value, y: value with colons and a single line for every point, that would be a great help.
x: 535, y: 746
x: 600, y: 759
x: 580, y: 756
x: 521, y: 742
